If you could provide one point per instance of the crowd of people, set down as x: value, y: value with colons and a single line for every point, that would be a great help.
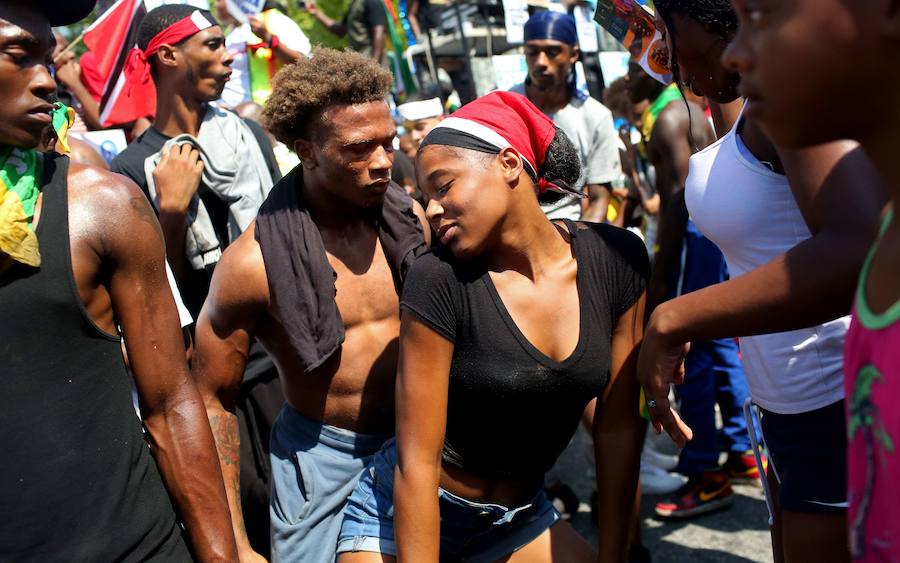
x: 295, y: 320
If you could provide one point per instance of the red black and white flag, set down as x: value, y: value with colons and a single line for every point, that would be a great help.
x: 109, y: 40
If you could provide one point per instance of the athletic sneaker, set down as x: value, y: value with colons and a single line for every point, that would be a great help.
x: 656, y: 481
x: 709, y: 491
x: 743, y: 465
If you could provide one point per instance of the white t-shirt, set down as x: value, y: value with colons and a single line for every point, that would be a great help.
x: 237, y: 90
x: 590, y: 127
x: 750, y: 213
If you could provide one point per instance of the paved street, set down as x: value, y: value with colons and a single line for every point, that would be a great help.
x: 737, y: 535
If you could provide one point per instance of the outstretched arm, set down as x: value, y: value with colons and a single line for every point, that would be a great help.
x: 179, y: 434
x: 336, y: 27
x: 237, y: 298
x: 422, y: 380
x: 803, y: 287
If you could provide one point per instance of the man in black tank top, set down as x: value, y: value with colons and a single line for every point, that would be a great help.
x: 78, y: 481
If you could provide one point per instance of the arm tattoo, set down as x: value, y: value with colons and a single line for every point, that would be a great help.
x: 228, y: 441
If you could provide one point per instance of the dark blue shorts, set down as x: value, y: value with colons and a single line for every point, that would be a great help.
x: 808, y: 452
x: 470, y: 531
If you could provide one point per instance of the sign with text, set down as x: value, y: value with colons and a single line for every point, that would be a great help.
x: 516, y: 14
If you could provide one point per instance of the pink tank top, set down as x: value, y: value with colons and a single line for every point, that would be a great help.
x: 872, y: 382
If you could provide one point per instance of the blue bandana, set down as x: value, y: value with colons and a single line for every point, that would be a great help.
x: 551, y: 25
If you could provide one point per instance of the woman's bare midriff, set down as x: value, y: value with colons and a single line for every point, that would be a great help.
x: 509, y: 493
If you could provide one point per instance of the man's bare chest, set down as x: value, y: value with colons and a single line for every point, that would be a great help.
x: 365, y: 291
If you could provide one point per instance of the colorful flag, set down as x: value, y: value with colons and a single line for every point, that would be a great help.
x: 403, y: 77
x: 109, y: 39
x: 62, y: 118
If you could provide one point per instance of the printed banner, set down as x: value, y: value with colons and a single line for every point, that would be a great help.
x: 634, y: 26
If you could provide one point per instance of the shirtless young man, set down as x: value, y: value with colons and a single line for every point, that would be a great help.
x: 80, y: 482
x: 316, y: 281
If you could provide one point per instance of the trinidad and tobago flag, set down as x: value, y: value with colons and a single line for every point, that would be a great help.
x: 109, y: 39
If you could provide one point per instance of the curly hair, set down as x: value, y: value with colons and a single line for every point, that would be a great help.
x: 304, y: 90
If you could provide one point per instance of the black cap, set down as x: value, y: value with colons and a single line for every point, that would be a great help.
x: 66, y: 12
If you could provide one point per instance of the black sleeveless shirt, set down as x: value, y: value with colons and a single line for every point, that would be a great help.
x: 77, y: 481
x: 511, y: 409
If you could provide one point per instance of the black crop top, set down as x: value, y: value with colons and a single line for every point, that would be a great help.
x: 511, y: 409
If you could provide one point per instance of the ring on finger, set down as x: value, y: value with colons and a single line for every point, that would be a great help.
x: 651, y: 403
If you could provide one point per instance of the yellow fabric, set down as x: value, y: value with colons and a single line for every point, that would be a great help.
x: 63, y: 132
x: 612, y: 211
x: 17, y: 239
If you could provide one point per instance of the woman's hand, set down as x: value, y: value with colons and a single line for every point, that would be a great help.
x: 661, y: 364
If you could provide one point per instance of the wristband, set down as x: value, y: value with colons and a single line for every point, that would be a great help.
x: 274, y: 42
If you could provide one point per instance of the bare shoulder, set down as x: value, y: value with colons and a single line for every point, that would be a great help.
x: 108, y: 212
x: 680, y: 117
x: 240, y: 283
x: 108, y: 196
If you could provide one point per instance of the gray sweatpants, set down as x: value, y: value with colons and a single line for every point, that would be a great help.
x: 315, y: 467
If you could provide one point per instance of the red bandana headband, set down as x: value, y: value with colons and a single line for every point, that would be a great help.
x: 137, y: 67
x: 501, y: 120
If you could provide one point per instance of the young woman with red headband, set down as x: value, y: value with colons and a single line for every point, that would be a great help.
x: 508, y: 331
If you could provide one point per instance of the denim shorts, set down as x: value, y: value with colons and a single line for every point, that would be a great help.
x: 315, y: 468
x: 470, y: 531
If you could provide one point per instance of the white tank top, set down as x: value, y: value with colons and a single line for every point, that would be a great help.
x: 750, y: 213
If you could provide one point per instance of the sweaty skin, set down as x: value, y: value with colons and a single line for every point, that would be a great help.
x: 680, y: 130
x: 354, y: 389
x: 528, y: 258
x: 118, y: 262
x: 119, y: 269
x: 810, y: 284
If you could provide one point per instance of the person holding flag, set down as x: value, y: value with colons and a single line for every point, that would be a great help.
x: 259, y: 47
x: 98, y: 78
